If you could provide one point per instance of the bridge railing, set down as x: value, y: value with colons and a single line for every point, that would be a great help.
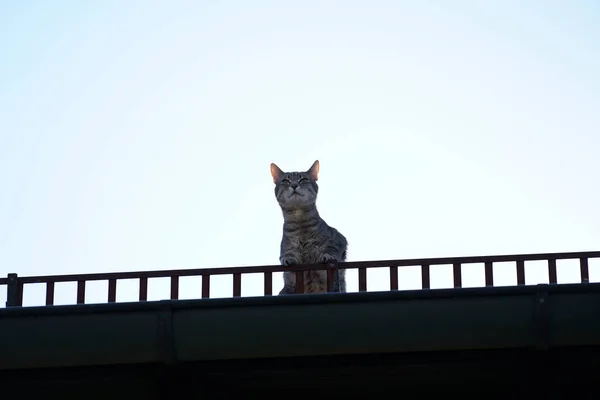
x: 15, y: 284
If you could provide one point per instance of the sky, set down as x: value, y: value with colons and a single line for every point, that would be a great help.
x: 138, y: 135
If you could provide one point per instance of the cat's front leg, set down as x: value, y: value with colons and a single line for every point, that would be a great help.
x: 339, y: 280
x: 288, y: 260
x: 289, y: 278
x: 328, y: 258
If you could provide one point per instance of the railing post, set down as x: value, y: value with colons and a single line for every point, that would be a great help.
x: 332, y: 274
x: 13, y: 297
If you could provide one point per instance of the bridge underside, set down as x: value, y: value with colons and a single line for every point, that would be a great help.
x: 549, y: 374
x: 533, y: 340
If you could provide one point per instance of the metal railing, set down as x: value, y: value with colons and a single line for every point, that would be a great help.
x: 15, y: 284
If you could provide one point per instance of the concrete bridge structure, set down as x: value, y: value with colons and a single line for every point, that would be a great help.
x: 523, y: 340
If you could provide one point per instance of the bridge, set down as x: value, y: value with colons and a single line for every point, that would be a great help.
x: 524, y: 339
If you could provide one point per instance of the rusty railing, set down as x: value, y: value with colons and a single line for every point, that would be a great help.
x: 15, y: 284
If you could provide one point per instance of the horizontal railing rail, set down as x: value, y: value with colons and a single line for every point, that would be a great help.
x: 15, y: 284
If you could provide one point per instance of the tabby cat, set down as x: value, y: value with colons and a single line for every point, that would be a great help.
x: 307, y: 239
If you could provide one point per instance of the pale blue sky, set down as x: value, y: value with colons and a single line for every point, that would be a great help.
x: 137, y: 135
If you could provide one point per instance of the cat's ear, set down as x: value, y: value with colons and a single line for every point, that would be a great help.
x: 314, y: 170
x: 275, y: 172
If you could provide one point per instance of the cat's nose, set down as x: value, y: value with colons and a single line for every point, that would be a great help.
x: 294, y: 186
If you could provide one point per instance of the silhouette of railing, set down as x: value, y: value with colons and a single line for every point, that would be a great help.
x: 15, y: 284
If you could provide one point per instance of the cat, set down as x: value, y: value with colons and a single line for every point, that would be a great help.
x: 307, y: 239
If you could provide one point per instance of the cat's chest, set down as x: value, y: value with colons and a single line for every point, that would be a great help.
x: 305, y: 242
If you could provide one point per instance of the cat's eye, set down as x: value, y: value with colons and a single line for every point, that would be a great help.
x: 302, y: 180
x: 286, y: 181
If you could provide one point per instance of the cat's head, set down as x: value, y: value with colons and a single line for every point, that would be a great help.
x: 296, y: 189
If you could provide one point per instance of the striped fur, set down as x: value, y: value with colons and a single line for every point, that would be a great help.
x: 307, y: 239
